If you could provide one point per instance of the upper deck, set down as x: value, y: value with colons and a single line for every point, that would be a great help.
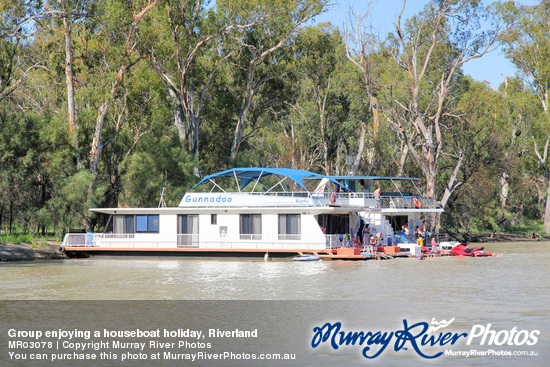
x: 273, y: 187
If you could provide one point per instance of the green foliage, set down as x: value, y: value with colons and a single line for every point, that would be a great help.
x: 309, y: 107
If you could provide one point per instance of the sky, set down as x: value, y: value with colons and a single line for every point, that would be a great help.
x: 492, y: 67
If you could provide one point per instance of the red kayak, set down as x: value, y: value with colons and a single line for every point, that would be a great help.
x: 464, y: 250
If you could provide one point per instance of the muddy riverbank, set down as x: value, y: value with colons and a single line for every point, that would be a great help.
x: 28, y: 252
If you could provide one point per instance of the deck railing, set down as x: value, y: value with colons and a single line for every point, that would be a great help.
x: 130, y: 240
x: 346, y: 199
x: 368, y: 200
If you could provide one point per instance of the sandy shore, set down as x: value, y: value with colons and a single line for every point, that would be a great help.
x: 26, y: 252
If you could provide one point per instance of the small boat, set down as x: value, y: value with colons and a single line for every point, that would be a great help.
x: 306, y: 258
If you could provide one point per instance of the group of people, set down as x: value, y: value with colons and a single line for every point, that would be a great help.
x: 421, y: 235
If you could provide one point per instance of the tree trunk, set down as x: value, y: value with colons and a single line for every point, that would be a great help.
x: 70, y: 85
x: 195, y: 146
x: 353, y: 162
x: 546, y: 224
x: 504, y: 186
x: 452, y: 184
x: 403, y: 159
x: 179, y: 118
x: 126, y: 65
x: 87, y: 220
x: 11, y: 214
x: 325, y: 145
x: 431, y: 218
x: 96, y: 144
x: 192, y: 123
x: 238, y: 135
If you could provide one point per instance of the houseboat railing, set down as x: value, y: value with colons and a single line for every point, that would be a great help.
x: 353, y: 199
x: 426, y: 240
x: 250, y: 237
x: 130, y: 240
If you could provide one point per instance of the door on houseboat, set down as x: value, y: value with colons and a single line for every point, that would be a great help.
x: 188, y: 230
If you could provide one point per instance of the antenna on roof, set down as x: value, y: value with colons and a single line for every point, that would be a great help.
x: 163, y: 183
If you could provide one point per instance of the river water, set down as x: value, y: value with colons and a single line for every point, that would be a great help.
x: 507, y: 292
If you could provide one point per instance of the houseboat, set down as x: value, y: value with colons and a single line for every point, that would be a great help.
x: 264, y: 212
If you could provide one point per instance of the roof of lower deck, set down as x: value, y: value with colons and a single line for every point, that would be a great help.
x: 229, y: 210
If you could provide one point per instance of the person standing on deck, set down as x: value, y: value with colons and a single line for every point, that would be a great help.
x: 373, y: 243
x: 376, y: 195
x: 434, y: 246
x: 424, y: 231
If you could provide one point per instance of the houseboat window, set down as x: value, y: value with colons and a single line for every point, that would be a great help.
x: 250, y: 226
x: 129, y: 224
x: 289, y: 226
x: 124, y: 224
x: 141, y: 223
x: 213, y: 218
x: 147, y: 223
x: 152, y: 223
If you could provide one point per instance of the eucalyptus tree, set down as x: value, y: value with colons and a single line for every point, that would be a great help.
x: 528, y: 47
x: 130, y: 56
x: 92, y: 46
x: 327, y: 116
x: 264, y: 49
x: 30, y: 155
x: 184, y: 45
x: 69, y: 13
x: 492, y: 140
x: 429, y: 50
x: 62, y: 17
x: 17, y: 30
x: 120, y: 41
x: 362, y: 48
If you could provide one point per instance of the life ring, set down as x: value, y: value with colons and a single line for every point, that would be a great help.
x: 333, y: 198
x: 417, y: 203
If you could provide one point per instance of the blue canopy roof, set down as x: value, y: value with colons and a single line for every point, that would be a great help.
x: 253, y: 173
